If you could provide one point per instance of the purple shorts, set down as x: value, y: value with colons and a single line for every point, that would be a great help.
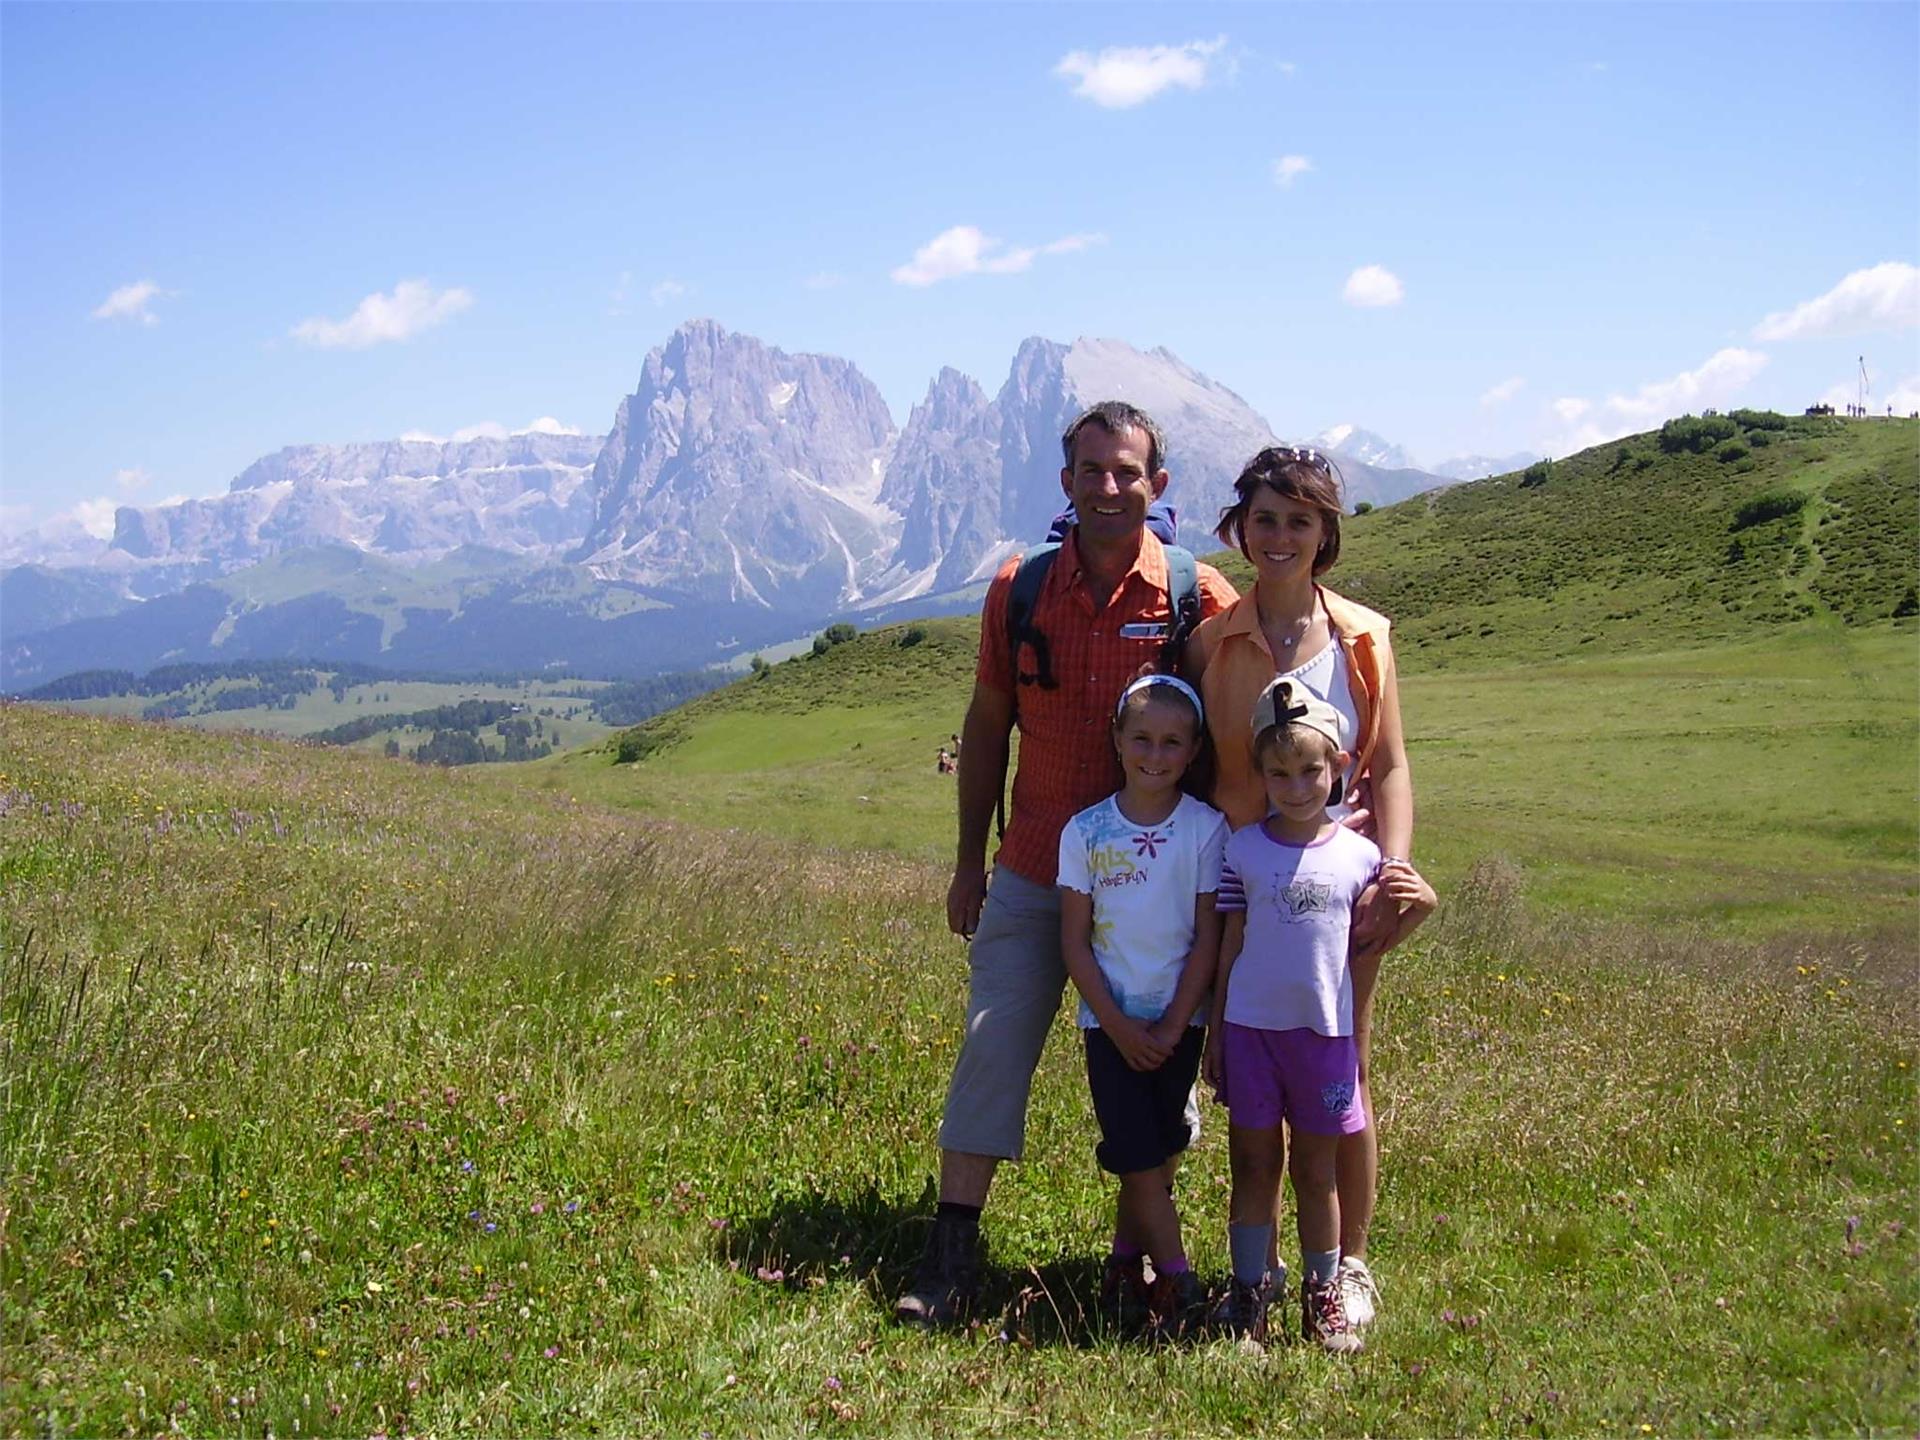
x: 1310, y: 1080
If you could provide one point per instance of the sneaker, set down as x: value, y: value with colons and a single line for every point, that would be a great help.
x: 948, y: 1277
x: 1358, y: 1291
x: 1242, y: 1311
x: 1175, y: 1304
x: 1323, y: 1318
x: 1123, y: 1291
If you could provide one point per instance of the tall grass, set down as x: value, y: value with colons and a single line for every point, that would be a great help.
x: 341, y: 1098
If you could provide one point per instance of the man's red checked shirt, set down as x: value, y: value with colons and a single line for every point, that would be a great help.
x: 1067, y: 760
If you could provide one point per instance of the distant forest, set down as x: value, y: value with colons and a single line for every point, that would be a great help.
x: 181, y: 690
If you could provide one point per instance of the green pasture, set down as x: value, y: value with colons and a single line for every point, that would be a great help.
x: 1751, y: 788
x: 342, y: 1098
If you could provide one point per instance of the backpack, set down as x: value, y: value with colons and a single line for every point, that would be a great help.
x: 1183, y: 606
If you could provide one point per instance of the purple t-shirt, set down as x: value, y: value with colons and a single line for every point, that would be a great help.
x: 1292, y: 972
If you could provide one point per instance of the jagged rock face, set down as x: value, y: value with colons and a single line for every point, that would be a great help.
x: 737, y: 473
x: 944, y: 482
x: 413, y: 500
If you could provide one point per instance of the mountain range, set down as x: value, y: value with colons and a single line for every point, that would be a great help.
x: 742, y: 494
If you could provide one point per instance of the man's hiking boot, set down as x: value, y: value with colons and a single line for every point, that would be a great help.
x: 948, y: 1277
x: 1323, y: 1319
x: 1242, y: 1312
x: 1358, y: 1292
x: 1123, y: 1291
x: 1175, y: 1305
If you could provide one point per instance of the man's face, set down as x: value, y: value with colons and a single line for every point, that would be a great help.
x: 1109, y: 483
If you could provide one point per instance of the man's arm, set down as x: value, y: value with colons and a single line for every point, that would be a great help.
x: 984, y: 743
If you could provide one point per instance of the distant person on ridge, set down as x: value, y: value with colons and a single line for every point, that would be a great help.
x: 1105, y: 613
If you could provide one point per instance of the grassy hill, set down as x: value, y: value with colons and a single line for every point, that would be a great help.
x: 1615, y: 713
x: 342, y: 1097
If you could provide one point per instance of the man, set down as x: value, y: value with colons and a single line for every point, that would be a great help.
x: 1105, y: 613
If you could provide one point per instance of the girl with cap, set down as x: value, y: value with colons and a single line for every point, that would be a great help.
x: 1281, y: 1046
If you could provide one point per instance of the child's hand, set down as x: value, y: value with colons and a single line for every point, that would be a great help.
x: 1137, y: 1044
x: 1213, y: 1060
x: 1408, y: 889
x: 1167, y: 1034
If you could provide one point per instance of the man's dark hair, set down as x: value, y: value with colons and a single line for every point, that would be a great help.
x: 1116, y: 417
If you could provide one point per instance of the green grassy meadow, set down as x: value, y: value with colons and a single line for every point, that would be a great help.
x: 344, y: 1097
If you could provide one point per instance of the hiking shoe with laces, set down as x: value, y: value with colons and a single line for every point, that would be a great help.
x: 1358, y: 1291
x: 1175, y: 1304
x: 1323, y: 1319
x: 1123, y: 1291
x: 1242, y: 1311
x: 948, y: 1277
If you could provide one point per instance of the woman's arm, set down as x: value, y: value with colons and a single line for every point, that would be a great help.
x: 1136, y: 1044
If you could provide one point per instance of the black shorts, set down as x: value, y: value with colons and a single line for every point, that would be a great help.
x: 1142, y: 1113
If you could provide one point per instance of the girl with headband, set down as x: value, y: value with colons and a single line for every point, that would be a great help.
x: 1139, y: 936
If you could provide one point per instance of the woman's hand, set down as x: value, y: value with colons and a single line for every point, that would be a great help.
x: 1360, y: 809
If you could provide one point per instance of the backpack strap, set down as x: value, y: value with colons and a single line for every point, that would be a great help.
x: 1183, y: 605
x: 1027, y: 582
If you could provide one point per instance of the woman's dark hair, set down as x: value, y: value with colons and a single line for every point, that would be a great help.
x: 1306, y: 476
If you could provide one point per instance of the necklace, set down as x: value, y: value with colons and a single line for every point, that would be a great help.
x: 1299, y: 628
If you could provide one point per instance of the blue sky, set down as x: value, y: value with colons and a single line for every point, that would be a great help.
x: 224, y: 229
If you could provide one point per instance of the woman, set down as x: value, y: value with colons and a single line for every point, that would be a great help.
x: 1286, y: 520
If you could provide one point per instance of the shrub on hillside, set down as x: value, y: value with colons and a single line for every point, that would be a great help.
x: 1728, y: 451
x: 1365, y: 507
x: 1770, y: 506
x: 1761, y: 420
x: 1536, y: 474
x: 913, y: 635
x: 1696, y: 434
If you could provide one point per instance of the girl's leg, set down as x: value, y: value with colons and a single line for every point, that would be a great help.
x: 1258, y: 1158
x: 1318, y: 1202
x: 1147, y: 1210
x: 1323, y: 1318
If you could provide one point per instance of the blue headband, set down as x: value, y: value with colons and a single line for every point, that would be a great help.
x: 1147, y: 681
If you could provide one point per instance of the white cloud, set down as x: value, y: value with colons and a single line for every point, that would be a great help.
x: 1904, y: 397
x: 1713, y: 384
x: 1882, y: 297
x: 547, y: 425
x: 1571, y: 409
x: 1504, y: 391
x: 1286, y: 67
x: 422, y: 437
x: 664, y: 290
x: 622, y: 294
x: 1373, y: 286
x: 1121, y: 77
x: 966, y: 250
x: 1725, y: 373
x: 131, y: 302
x: 1289, y: 168
x: 414, y: 306
x: 96, y: 516
x: 485, y: 430
x: 132, y: 479
x: 15, y: 520
x: 824, y: 280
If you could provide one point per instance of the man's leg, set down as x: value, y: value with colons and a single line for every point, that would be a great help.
x: 1015, y: 979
